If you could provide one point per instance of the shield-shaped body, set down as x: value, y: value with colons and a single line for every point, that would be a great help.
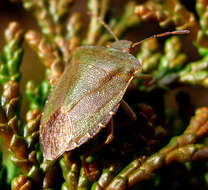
x: 85, y: 97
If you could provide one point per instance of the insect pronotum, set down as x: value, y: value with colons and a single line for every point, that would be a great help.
x: 87, y: 94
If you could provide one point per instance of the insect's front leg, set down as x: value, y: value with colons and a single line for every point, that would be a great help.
x: 146, y: 77
x: 143, y: 76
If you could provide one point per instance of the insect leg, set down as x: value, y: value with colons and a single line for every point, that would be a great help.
x: 128, y: 110
x: 110, y: 132
x: 146, y: 77
x: 110, y: 129
x: 143, y: 76
x: 131, y: 114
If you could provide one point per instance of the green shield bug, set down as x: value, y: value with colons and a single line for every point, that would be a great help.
x: 87, y: 94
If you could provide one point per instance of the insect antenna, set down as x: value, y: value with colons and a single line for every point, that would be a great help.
x: 176, y: 32
x: 108, y: 28
x: 101, y: 21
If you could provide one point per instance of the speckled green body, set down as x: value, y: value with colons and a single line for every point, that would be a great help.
x: 86, y: 96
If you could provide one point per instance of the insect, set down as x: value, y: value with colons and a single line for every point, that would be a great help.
x: 87, y: 95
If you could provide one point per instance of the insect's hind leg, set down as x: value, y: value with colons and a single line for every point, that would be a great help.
x: 110, y: 135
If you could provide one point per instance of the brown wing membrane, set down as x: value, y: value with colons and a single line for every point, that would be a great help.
x: 54, y: 135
